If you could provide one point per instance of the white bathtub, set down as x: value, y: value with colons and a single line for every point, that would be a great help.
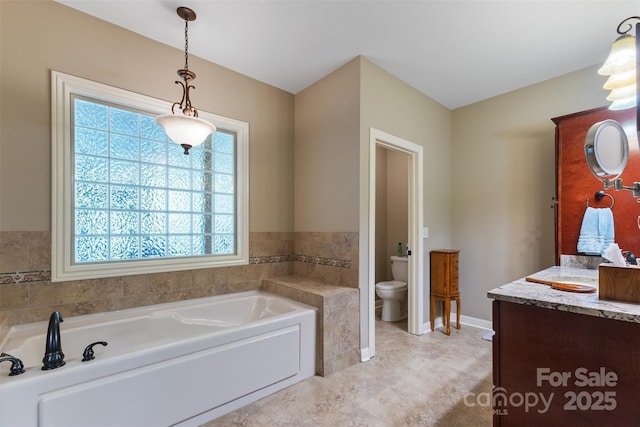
x: 181, y: 363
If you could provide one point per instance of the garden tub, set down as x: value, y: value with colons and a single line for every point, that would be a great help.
x: 181, y: 363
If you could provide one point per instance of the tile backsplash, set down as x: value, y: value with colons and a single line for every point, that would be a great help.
x: 327, y: 257
x: 27, y: 294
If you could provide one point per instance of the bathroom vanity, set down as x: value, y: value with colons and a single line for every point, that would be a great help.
x: 563, y: 358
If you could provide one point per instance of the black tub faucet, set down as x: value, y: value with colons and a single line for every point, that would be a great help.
x: 17, y: 367
x: 53, y: 355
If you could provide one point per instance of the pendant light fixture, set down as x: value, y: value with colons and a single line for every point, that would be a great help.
x: 185, y: 128
x: 622, y: 66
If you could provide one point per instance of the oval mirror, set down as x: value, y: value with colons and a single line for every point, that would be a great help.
x: 607, y: 149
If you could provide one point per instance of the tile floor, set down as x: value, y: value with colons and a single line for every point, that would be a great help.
x: 412, y: 381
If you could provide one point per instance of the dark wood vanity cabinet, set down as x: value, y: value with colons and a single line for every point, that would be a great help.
x: 555, y: 368
x: 575, y: 184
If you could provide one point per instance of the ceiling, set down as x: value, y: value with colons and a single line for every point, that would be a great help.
x: 456, y: 52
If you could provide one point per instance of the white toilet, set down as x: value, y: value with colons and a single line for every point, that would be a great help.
x: 394, y: 292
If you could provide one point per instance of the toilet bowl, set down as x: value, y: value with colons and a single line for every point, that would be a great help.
x: 394, y: 292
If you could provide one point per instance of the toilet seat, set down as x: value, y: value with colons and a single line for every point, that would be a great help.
x: 392, y: 285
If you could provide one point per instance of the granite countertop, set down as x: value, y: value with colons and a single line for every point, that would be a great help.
x: 523, y: 292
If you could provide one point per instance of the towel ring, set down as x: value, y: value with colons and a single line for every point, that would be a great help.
x: 599, y: 195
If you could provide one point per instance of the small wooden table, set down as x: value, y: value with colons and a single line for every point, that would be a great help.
x: 444, y: 285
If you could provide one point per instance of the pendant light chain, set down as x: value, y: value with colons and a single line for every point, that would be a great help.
x: 186, y: 128
x: 186, y: 45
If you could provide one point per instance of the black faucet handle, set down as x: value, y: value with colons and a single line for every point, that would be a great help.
x: 17, y: 367
x: 88, y: 353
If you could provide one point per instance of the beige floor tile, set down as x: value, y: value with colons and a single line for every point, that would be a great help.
x: 428, y: 380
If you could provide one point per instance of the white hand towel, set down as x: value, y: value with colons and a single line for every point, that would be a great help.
x: 605, y: 227
x: 597, y: 231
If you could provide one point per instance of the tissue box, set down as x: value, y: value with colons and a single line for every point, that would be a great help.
x: 619, y: 283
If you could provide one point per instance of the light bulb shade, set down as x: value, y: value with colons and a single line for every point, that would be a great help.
x: 622, y: 57
x: 617, y: 81
x: 622, y: 93
x: 185, y: 129
x: 623, y: 104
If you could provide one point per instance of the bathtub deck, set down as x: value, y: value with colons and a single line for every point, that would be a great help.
x: 337, y: 325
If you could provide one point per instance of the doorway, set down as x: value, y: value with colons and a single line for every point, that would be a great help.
x: 415, y: 322
x: 391, y: 225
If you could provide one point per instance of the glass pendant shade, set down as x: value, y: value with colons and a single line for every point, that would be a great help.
x: 623, y: 104
x: 186, y: 130
x: 618, y: 81
x: 621, y: 67
x: 622, y: 93
x: 622, y: 57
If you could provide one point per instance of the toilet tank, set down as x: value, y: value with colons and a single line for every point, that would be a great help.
x: 400, y: 268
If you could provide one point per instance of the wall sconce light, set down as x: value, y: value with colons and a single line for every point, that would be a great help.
x: 622, y: 67
x: 186, y: 129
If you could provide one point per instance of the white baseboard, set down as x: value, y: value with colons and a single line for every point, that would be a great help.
x: 465, y: 320
x: 426, y: 328
x: 476, y: 322
x: 365, y: 354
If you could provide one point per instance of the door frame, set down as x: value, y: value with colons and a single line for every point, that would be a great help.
x: 368, y: 239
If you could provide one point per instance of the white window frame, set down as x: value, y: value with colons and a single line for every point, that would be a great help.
x: 63, y: 86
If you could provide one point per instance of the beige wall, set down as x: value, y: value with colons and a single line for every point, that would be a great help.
x: 394, y: 107
x: 326, y: 152
x: 333, y: 118
x: 389, y: 105
x: 381, y: 215
x: 38, y: 36
x: 504, y: 179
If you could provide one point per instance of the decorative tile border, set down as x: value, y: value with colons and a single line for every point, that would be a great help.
x: 24, y: 277
x: 270, y: 259
x: 45, y: 275
x: 331, y: 262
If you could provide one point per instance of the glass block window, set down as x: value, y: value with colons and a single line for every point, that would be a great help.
x: 137, y: 195
x: 137, y: 203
